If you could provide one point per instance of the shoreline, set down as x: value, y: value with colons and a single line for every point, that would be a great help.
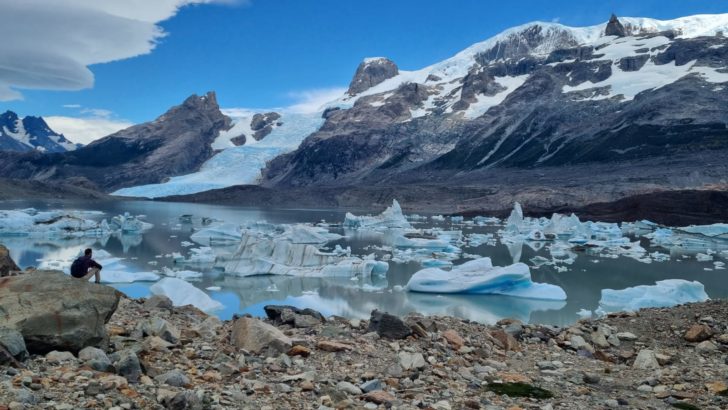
x: 302, y: 361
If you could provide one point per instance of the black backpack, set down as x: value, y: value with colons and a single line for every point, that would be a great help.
x: 77, y: 268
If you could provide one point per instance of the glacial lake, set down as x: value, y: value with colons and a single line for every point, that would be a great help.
x: 356, y: 298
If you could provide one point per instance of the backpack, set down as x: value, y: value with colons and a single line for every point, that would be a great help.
x: 77, y: 268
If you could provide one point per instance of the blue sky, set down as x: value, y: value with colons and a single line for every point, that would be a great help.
x: 273, y: 53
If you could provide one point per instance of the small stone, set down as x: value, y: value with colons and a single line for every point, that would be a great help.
x: 627, y: 336
x: 611, y: 403
x: 330, y: 346
x: 299, y: 350
x: 698, y: 333
x: 128, y: 366
x: 348, y: 388
x: 455, y: 340
x: 706, y: 346
x: 663, y: 359
x: 411, y: 360
x: 158, y: 302
x: 442, y: 405
x: 646, y: 360
x: 185, y: 400
x: 371, y: 385
x: 156, y: 344
x: 378, y: 397
x: 307, y: 385
x: 591, y: 378
x: 59, y: 357
x: 645, y: 388
x: 716, y: 387
x: 578, y: 342
x: 173, y: 378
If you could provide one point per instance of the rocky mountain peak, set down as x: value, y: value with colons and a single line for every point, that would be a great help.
x: 615, y: 28
x: 30, y: 133
x: 372, y: 71
x: 195, y: 105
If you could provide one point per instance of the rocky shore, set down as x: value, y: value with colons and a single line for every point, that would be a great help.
x: 157, y: 356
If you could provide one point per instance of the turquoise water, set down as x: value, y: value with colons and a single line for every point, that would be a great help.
x: 355, y: 298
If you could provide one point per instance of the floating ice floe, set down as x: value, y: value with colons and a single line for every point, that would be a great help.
x: 392, y: 217
x: 262, y: 253
x: 300, y: 233
x: 664, y: 293
x: 183, y: 293
x: 114, y: 269
x: 198, y: 256
x: 223, y: 234
x: 66, y: 224
x: 181, y: 274
x: 481, y: 277
x: 128, y: 223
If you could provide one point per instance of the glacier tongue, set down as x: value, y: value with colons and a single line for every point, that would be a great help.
x: 236, y: 166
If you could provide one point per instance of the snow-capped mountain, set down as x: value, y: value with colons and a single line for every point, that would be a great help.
x: 541, y: 94
x: 535, y: 96
x: 30, y: 133
x: 175, y: 143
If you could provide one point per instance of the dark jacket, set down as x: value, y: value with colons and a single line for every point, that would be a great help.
x: 80, y: 266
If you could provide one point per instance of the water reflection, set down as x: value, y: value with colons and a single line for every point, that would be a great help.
x: 583, y: 281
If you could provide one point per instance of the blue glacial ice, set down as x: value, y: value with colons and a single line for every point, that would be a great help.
x: 664, y: 293
x: 479, y: 276
x: 236, y: 165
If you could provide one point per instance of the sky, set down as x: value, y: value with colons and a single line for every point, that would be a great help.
x: 92, y: 67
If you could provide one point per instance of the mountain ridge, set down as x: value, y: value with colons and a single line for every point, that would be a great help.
x: 30, y: 133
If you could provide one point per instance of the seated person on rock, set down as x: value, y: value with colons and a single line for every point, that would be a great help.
x: 84, y: 267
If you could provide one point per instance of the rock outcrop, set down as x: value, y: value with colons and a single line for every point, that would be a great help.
x: 175, y: 143
x: 7, y: 264
x: 262, y: 125
x: 56, y: 312
x: 371, y: 72
x: 615, y: 28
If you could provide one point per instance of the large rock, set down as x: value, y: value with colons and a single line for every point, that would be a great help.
x: 371, y: 72
x: 7, y: 264
x: 56, y: 312
x: 388, y: 326
x: 256, y: 336
x: 12, y: 347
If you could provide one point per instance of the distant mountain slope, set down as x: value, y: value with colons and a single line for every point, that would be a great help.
x: 540, y: 94
x: 177, y: 142
x: 30, y: 133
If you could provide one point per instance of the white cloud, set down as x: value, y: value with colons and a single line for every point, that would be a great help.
x: 48, y: 44
x: 71, y: 105
x: 309, y: 101
x: 85, y: 130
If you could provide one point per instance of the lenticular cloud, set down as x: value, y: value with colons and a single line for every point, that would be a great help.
x: 50, y: 44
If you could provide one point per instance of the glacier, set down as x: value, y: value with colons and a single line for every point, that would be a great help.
x: 236, y: 165
x: 664, y: 293
x: 479, y: 276
x: 184, y: 293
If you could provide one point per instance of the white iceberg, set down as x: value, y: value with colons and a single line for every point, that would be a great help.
x: 198, y: 256
x: 222, y: 234
x: 479, y: 276
x: 714, y: 230
x: 664, y: 293
x: 262, y: 254
x: 61, y: 224
x: 184, y: 293
x: 181, y: 274
x: 128, y: 223
x: 392, y: 217
x: 300, y: 233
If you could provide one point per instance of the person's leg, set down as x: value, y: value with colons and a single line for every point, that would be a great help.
x: 93, y: 272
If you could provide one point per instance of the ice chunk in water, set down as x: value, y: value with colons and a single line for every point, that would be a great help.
x: 184, y: 293
x: 392, y: 217
x: 664, y: 293
x: 218, y: 234
x: 715, y: 230
x: 481, y: 277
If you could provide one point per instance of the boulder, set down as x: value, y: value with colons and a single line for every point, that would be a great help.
x: 646, y: 360
x: 12, y: 347
x: 280, y: 314
x: 256, y: 336
x: 56, y: 312
x: 156, y: 326
x: 698, y: 333
x: 7, y: 264
x: 388, y: 326
x: 128, y: 366
x: 158, y: 302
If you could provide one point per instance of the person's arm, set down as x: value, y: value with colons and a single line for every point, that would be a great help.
x: 96, y: 264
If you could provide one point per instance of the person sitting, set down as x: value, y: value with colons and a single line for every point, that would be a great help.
x: 84, y: 267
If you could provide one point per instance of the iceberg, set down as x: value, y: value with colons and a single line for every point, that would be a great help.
x: 263, y: 254
x: 61, y: 224
x: 479, y: 276
x: 300, y: 233
x: 713, y: 231
x: 127, y: 223
x: 184, y: 293
x: 664, y: 293
x: 198, y: 256
x: 392, y: 217
x: 181, y: 274
x: 223, y: 234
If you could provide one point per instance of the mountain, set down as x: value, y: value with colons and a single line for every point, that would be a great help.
x: 30, y: 133
x: 177, y: 142
x: 535, y: 96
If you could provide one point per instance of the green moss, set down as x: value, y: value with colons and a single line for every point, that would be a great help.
x: 520, y: 390
x: 685, y: 406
